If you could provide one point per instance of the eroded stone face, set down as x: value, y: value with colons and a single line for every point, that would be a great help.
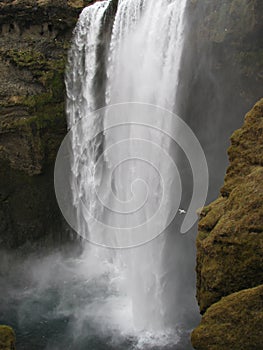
x: 230, y: 240
x: 230, y: 248
x: 34, y: 40
x: 235, y: 322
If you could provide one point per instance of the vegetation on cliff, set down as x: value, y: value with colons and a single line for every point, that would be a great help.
x: 35, y: 37
x: 235, y: 322
x: 230, y: 240
x: 32, y: 59
x: 230, y: 247
x: 7, y: 338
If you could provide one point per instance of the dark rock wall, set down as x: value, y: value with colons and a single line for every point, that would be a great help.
x: 35, y: 37
x: 34, y: 42
x: 222, y: 74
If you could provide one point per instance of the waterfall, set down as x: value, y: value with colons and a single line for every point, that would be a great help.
x: 145, y: 52
x: 115, y: 191
x: 81, y: 101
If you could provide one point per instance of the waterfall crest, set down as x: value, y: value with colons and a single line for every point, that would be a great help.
x: 146, y: 50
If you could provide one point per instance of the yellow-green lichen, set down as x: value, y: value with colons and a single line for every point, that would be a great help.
x: 230, y: 237
x: 7, y: 338
x: 235, y: 323
x: 47, y: 71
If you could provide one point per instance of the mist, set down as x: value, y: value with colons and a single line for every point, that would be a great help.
x: 62, y: 301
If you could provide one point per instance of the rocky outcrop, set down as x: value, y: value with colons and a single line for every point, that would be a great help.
x: 230, y: 240
x: 35, y: 36
x: 235, y: 322
x: 7, y: 338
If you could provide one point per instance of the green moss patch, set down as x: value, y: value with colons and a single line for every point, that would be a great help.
x: 230, y: 233
x: 45, y: 70
x: 235, y: 323
x: 7, y: 338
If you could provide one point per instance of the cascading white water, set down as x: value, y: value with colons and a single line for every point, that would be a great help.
x: 144, y: 63
x: 143, y: 66
x: 83, y: 63
x: 145, y: 53
x: 81, y: 100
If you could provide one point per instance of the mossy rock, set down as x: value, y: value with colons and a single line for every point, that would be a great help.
x: 29, y: 213
x: 246, y: 150
x: 230, y: 232
x: 33, y: 52
x: 46, y: 71
x: 35, y: 38
x: 235, y: 322
x: 33, y: 125
x: 7, y: 338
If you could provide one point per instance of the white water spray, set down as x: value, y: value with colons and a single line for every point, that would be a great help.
x: 116, y: 184
x: 146, y: 50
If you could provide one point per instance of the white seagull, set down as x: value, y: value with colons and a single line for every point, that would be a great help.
x: 182, y: 211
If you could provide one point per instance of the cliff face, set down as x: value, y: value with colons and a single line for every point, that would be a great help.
x: 230, y: 248
x: 233, y: 28
x: 235, y: 323
x: 227, y: 38
x: 223, y: 61
x: 34, y: 39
